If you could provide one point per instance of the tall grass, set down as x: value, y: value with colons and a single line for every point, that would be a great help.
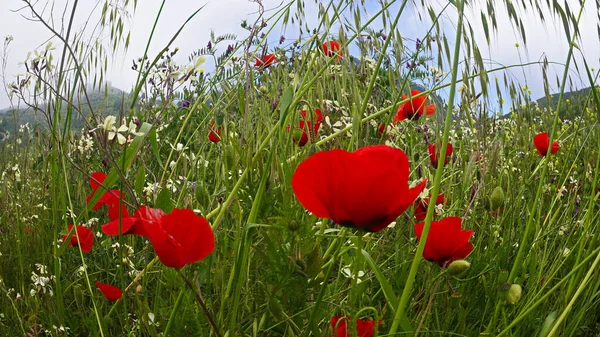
x: 277, y: 270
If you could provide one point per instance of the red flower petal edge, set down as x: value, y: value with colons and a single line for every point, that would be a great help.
x: 446, y: 241
x: 110, y: 292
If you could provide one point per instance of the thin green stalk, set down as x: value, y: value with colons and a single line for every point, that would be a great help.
x: 406, y: 292
x: 173, y: 312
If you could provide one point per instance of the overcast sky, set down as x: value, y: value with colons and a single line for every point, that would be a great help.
x: 225, y: 16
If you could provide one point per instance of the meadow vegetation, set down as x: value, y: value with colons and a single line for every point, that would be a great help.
x: 289, y: 191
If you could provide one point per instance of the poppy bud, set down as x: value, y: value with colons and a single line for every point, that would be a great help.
x: 297, y: 135
x: 229, y: 156
x: 455, y: 300
x: 139, y: 289
x: 497, y: 198
x: 78, y: 295
x: 263, y: 89
x: 513, y: 295
x: 202, y: 195
x: 219, y: 117
x: 293, y: 226
x: 458, y: 267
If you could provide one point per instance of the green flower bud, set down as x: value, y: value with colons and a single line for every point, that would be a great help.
x: 297, y: 135
x: 497, y: 198
x: 455, y: 300
x: 263, y: 89
x: 293, y: 226
x: 513, y: 295
x: 458, y: 267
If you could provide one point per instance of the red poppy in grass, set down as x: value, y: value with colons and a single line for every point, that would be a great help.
x: 265, y: 61
x: 542, y: 144
x: 180, y: 237
x: 366, y: 189
x: 434, y: 155
x: 421, y: 206
x: 308, y: 127
x: 111, y: 198
x: 84, y: 237
x: 381, y: 128
x: 446, y: 241
x: 215, y: 133
x: 110, y: 292
x: 415, y: 108
x: 364, y: 328
x: 136, y: 224
x: 331, y: 49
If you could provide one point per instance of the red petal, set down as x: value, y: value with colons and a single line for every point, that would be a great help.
x: 112, y: 228
x: 96, y: 179
x: 430, y: 110
x: 110, y: 292
x: 542, y: 142
x: 182, y: 237
x: 446, y: 241
x: 83, y: 237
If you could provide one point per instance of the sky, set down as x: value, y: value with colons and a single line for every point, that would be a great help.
x: 225, y: 16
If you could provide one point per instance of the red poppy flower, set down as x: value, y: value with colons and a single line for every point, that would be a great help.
x: 381, y: 128
x: 111, y: 198
x: 446, y: 241
x: 366, y: 189
x: 110, y: 292
x: 331, y: 49
x: 434, y: 154
x: 180, y: 237
x: 309, y: 126
x: 265, y: 61
x: 421, y: 206
x: 415, y: 108
x: 84, y: 237
x: 364, y: 328
x: 542, y: 143
x: 215, y: 133
x: 134, y: 225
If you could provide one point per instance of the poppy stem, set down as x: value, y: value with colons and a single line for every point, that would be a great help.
x: 201, y: 302
x: 410, y: 280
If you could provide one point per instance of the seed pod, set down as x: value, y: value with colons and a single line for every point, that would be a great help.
x: 455, y: 300
x: 497, y: 198
x: 513, y: 295
x: 458, y: 267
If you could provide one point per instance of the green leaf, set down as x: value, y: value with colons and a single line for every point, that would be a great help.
x: 548, y: 322
x: 163, y: 201
x: 388, y: 292
x: 140, y: 180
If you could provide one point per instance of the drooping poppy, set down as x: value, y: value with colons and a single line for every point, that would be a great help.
x: 265, y: 61
x: 364, y: 328
x: 309, y: 125
x: 542, y: 144
x: 214, y: 134
x: 447, y: 241
x: 331, y: 49
x: 365, y: 189
x: 83, y: 237
x: 415, y: 108
x: 111, y: 293
x: 111, y: 198
x: 434, y: 155
x: 136, y: 224
x: 180, y: 237
x: 421, y: 206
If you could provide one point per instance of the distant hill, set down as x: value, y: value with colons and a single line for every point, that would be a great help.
x: 104, y: 102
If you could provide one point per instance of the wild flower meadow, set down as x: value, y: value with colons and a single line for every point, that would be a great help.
x: 349, y: 181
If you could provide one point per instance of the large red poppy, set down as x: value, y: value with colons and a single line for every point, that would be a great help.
x: 434, y: 155
x: 265, y: 61
x: 83, y: 237
x: 364, y: 328
x: 111, y: 198
x: 180, y: 237
x: 415, y: 108
x: 214, y: 134
x: 421, y: 206
x: 111, y: 293
x: 332, y: 48
x: 542, y: 143
x: 365, y: 189
x: 446, y: 241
